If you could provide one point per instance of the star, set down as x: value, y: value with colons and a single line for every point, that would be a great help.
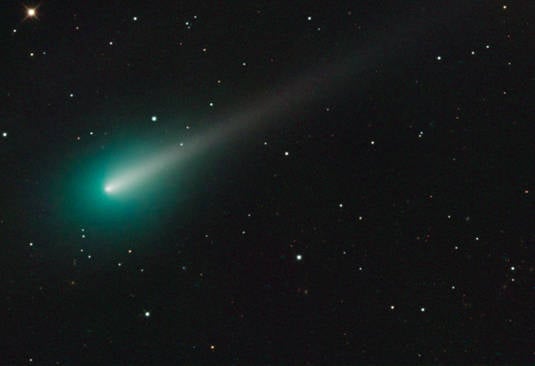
x: 31, y: 12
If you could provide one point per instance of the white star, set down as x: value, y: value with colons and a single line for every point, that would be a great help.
x: 31, y: 12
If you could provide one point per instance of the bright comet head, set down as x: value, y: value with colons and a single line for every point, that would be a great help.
x: 108, y: 188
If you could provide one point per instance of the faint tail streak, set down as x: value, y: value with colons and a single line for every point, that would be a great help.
x: 318, y: 82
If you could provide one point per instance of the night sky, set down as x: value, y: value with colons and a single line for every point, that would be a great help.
x: 267, y: 182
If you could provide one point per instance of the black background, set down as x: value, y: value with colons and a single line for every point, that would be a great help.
x: 214, y: 258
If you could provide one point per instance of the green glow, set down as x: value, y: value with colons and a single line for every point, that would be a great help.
x: 138, y: 173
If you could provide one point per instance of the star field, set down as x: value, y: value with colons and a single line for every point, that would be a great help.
x: 267, y: 183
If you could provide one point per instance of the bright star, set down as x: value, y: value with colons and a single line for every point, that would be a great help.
x: 31, y: 12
